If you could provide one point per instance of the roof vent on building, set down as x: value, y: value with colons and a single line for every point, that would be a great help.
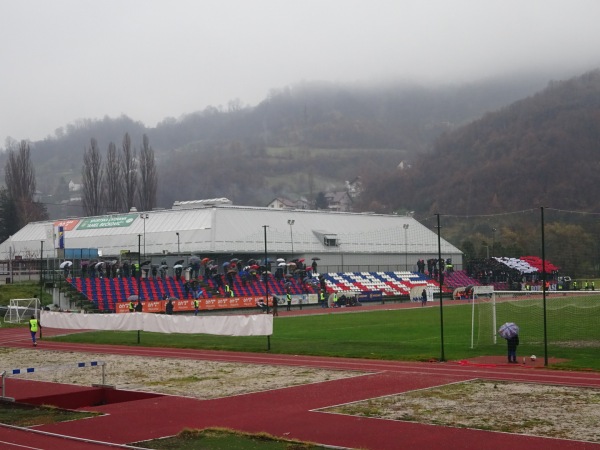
x: 327, y: 239
x: 192, y: 204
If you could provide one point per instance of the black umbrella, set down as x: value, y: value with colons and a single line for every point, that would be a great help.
x: 179, y: 261
x: 145, y: 263
x: 316, y: 258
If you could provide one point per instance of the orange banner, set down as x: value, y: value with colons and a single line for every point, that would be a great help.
x: 158, y: 306
x: 67, y: 224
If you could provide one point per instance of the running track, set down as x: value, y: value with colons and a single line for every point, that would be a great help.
x: 290, y: 412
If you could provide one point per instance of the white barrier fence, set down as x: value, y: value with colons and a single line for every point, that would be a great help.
x: 228, y: 325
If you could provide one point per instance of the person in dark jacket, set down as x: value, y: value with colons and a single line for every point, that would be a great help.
x: 512, y: 344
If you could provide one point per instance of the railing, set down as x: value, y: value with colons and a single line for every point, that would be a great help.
x: 7, y: 373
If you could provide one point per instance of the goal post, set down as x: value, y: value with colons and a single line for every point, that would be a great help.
x: 481, y: 295
x: 572, y: 318
x: 19, y: 309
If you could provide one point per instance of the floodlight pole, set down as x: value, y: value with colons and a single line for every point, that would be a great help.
x: 291, y: 223
x: 267, y: 283
x: 41, y: 270
x: 266, y: 271
x: 139, y: 274
x: 405, y: 226
x: 178, y: 252
x: 144, y: 216
x: 41, y: 283
x: 544, y: 289
x: 442, y: 356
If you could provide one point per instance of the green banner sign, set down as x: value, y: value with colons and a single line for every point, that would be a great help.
x: 107, y: 222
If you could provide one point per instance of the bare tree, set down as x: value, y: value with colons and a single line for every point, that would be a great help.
x: 91, y: 173
x: 148, y: 177
x: 8, y: 212
x: 21, y: 186
x: 130, y: 176
x: 113, y: 180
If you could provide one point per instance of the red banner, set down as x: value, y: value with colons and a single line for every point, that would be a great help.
x: 158, y: 306
x: 67, y: 224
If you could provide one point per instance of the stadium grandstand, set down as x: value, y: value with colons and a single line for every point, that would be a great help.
x: 351, y: 251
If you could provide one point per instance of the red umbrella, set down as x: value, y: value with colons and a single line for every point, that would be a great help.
x: 254, y: 266
x: 301, y: 260
x: 205, y: 260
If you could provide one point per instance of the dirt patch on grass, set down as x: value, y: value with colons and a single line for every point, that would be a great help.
x: 540, y: 410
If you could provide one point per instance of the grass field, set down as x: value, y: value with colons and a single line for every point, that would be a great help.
x: 407, y: 334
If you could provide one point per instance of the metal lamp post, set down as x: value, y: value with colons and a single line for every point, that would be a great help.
x: 144, y: 216
x: 178, y: 252
x: 266, y: 270
x: 405, y: 226
x: 291, y: 224
x: 493, y: 241
x: 139, y: 271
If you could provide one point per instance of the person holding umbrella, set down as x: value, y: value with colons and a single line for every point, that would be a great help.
x: 510, y: 332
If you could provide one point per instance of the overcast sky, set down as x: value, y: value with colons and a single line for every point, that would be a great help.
x: 64, y: 60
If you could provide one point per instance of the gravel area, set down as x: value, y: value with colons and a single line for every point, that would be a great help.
x: 540, y: 410
x: 185, y: 377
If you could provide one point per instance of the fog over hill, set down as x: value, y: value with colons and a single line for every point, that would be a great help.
x: 539, y: 151
x: 320, y: 134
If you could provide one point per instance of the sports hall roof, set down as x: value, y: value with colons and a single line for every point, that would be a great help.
x: 206, y: 228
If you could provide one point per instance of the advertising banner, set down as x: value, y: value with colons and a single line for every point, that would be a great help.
x: 94, y: 223
x: 214, y: 303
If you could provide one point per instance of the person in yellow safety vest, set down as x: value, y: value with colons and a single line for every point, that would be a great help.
x: 587, y: 285
x: 131, y: 306
x: 229, y: 291
x: 322, y: 299
x: 34, y: 324
x: 196, y: 307
x: 335, y: 300
x: 288, y: 297
x: 593, y: 286
x: 574, y: 285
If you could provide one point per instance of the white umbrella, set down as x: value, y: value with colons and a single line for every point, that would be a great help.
x: 280, y: 260
x: 282, y: 264
x: 508, y: 330
x: 65, y: 264
x: 177, y: 266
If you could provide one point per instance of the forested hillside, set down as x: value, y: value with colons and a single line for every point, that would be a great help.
x: 300, y: 140
x: 540, y: 151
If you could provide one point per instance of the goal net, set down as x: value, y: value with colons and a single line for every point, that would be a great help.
x: 572, y: 318
x: 20, y: 309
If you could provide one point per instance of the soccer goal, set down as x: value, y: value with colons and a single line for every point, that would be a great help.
x: 572, y: 318
x: 20, y: 309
